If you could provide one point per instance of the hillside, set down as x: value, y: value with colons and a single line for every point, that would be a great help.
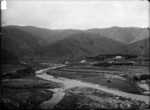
x: 8, y: 57
x: 126, y: 35
x: 47, y: 35
x: 84, y: 44
x: 18, y: 43
x: 140, y: 48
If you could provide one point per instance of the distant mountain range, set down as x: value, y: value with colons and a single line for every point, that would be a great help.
x: 126, y: 35
x: 47, y: 36
x: 29, y: 41
x: 84, y: 44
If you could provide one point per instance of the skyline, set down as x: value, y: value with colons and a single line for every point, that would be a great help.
x: 76, y: 14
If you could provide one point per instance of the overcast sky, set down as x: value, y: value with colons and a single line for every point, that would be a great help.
x: 77, y: 14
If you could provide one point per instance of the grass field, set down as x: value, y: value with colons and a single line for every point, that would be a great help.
x: 88, y: 99
x: 28, y: 92
x: 28, y: 83
x: 25, y: 93
x: 116, y: 77
x: 22, y: 99
x: 7, y: 68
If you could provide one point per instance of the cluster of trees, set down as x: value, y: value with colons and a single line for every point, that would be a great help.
x: 105, y: 56
x: 20, y: 73
x: 141, y: 77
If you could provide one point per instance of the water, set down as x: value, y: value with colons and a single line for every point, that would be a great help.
x: 44, y: 70
x: 50, y: 104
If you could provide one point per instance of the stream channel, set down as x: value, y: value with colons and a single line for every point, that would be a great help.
x: 68, y: 83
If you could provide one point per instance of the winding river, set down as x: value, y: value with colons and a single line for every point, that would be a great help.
x: 68, y: 83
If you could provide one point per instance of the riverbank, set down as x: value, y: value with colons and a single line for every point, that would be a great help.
x: 89, y: 98
x: 26, y: 93
x: 68, y: 83
x: 116, y: 77
x: 61, y: 101
x: 45, y: 91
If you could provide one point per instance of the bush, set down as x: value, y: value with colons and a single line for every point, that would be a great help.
x: 136, y: 78
x: 109, y: 81
x: 144, y: 77
x: 141, y: 77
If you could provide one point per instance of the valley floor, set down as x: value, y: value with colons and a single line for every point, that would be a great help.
x: 33, y: 92
x: 25, y: 93
x: 115, y: 77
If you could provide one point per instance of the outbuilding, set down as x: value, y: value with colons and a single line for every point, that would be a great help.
x: 118, y: 57
x: 83, y: 61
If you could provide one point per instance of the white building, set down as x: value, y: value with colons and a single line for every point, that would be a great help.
x: 83, y: 61
x: 118, y: 57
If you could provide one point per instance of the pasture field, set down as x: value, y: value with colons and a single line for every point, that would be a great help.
x: 25, y: 93
x: 115, y: 77
x: 88, y: 98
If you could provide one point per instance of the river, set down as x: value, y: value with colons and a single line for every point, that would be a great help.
x: 69, y: 83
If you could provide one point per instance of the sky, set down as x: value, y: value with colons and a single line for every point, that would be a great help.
x: 64, y: 14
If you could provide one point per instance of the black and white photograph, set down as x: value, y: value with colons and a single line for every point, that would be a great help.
x: 75, y: 54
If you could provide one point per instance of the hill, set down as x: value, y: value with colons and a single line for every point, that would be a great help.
x: 18, y: 44
x: 27, y: 41
x: 140, y: 48
x: 83, y: 44
x: 126, y: 35
x: 47, y: 35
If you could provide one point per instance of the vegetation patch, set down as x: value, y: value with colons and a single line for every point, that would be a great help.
x: 28, y: 83
x: 22, y: 99
x: 26, y: 93
x: 115, y: 77
x: 114, y: 83
x: 88, y: 98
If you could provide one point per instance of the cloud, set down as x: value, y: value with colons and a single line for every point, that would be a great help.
x: 76, y: 14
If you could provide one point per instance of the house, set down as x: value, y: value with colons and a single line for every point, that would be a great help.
x: 118, y: 57
x: 83, y: 61
x: 66, y: 62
